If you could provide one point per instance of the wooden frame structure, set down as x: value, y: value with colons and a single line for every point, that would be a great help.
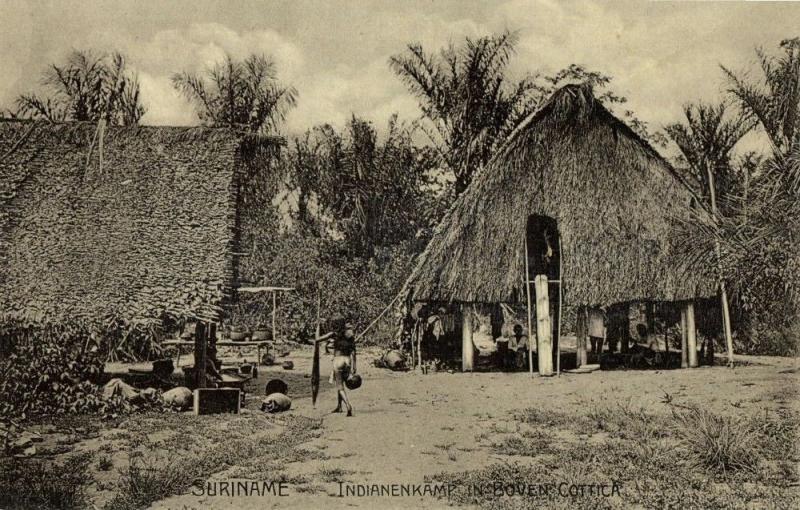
x: 274, y: 291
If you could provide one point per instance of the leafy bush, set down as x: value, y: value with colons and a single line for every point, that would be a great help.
x: 36, y: 484
x: 51, y: 371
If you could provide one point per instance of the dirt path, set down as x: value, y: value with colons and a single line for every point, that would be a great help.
x: 409, y: 426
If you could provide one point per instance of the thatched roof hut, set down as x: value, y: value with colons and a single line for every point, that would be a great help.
x: 611, y: 195
x: 151, y: 232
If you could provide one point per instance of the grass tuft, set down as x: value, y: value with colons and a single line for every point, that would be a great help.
x: 721, y: 444
x: 35, y: 484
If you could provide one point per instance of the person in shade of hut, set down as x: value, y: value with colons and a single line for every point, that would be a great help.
x: 518, y: 345
x: 642, y: 353
x: 344, y: 360
x: 213, y: 366
x: 433, y: 333
x: 597, y: 330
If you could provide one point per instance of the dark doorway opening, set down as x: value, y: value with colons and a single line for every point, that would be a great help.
x: 544, y: 247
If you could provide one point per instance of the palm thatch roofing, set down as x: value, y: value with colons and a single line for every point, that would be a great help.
x: 614, y: 200
x: 151, y: 233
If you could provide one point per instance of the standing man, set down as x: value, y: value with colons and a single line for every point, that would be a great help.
x: 597, y: 330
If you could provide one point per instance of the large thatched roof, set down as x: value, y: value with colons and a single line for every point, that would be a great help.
x: 151, y: 235
x: 614, y: 199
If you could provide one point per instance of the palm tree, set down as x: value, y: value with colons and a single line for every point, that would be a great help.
x: 774, y: 101
x: 706, y: 142
x: 89, y: 87
x: 773, y: 206
x: 470, y: 103
x: 239, y: 93
x: 759, y: 234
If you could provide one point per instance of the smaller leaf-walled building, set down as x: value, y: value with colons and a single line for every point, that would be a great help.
x: 130, y: 224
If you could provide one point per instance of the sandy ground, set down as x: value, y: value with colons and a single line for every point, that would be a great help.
x: 409, y: 425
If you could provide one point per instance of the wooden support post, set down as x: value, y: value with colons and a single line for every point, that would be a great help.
x: 466, y: 338
x: 580, y: 337
x: 414, y: 344
x: 420, y: 334
x: 274, y: 307
x: 691, y: 336
x: 684, y: 344
x: 200, y: 341
x: 626, y: 329
x: 544, y: 331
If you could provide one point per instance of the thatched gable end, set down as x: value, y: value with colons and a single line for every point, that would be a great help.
x: 613, y: 197
x: 151, y: 234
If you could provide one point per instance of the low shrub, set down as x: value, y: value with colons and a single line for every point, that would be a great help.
x: 50, y: 373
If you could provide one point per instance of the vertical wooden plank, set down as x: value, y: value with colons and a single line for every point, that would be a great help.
x: 543, y: 326
x: 684, y: 348
x: 200, y: 354
x: 466, y: 338
x: 691, y: 335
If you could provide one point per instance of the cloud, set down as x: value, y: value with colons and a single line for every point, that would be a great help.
x: 371, y: 92
x: 165, y: 106
x: 661, y: 54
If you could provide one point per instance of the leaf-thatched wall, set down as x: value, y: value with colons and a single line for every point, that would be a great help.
x: 151, y: 235
x: 614, y: 199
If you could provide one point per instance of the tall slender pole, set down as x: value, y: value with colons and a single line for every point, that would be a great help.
x: 560, y: 301
x: 274, y: 332
x: 723, y: 293
x: 528, y: 294
x: 315, y: 361
x: 419, y: 345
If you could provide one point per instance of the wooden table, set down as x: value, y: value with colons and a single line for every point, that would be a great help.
x: 220, y: 343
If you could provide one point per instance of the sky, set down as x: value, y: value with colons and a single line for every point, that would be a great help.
x: 661, y: 54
